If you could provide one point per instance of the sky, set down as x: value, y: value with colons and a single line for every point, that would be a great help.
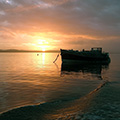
x: 54, y: 24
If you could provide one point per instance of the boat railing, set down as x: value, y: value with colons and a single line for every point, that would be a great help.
x: 97, y: 49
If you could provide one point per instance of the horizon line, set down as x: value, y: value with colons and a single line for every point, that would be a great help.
x: 17, y: 50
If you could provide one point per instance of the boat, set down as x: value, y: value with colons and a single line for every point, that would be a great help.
x: 95, y: 55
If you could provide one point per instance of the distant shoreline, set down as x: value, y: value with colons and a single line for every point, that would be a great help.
x: 28, y: 51
x: 34, y: 51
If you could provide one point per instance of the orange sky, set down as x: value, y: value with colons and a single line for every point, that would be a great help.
x: 53, y: 24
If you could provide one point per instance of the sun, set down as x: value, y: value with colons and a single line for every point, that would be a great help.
x: 42, y: 44
x: 43, y: 49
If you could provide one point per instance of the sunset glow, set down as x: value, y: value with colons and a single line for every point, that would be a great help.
x: 42, y: 44
x: 51, y: 25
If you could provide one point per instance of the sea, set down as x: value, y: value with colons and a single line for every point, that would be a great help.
x: 34, y: 87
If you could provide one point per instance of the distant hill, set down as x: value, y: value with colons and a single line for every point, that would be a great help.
x: 15, y: 50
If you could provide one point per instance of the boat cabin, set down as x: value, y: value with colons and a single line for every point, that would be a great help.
x: 97, y: 49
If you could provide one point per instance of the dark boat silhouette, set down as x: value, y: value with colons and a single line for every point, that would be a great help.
x: 95, y: 55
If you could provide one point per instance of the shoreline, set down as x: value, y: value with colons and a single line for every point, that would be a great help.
x: 54, y: 111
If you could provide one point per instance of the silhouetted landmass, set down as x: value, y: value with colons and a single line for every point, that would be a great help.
x: 15, y: 50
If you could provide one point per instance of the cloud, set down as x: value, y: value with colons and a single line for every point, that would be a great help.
x: 85, y: 21
x: 76, y: 16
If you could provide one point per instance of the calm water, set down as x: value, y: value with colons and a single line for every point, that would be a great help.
x: 29, y: 79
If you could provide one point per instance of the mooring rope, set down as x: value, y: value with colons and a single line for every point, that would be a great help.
x: 56, y: 58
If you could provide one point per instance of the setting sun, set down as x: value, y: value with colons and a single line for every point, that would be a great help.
x: 42, y: 44
x: 43, y: 49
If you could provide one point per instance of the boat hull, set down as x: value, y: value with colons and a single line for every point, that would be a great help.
x: 79, y: 57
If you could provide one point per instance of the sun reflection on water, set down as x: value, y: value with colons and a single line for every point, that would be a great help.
x: 43, y: 58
